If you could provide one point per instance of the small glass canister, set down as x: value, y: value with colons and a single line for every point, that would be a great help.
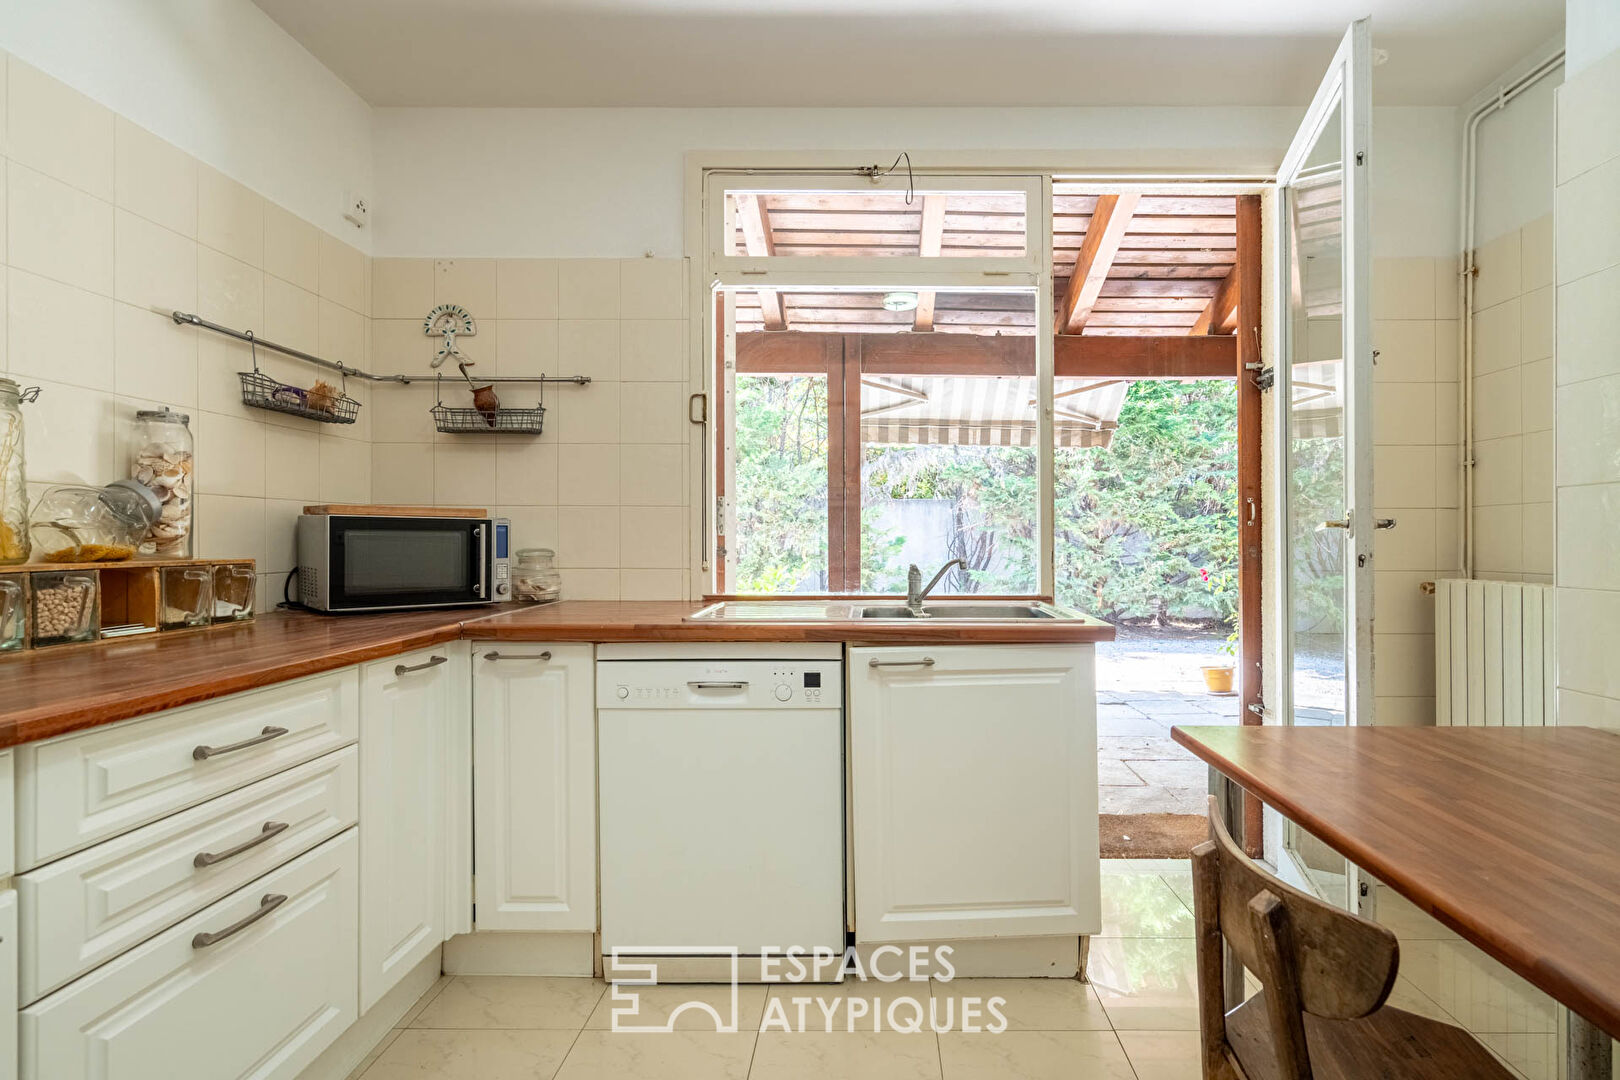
x: 13, y: 612
x: 234, y: 585
x: 163, y: 462
x: 75, y: 523
x: 535, y: 579
x: 64, y: 606
x: 14, y: 545
x: 188, y: 597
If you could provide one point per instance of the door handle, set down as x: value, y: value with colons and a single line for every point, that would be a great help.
x: 513, y: 656
x: 927, y: 661
x: 203, y: 753
x: 483, y: 562
x: 269, y: 903
x: 209, y: 858
x: 433, y: 661
x: 1341, y: 523
x: 1384, y: 523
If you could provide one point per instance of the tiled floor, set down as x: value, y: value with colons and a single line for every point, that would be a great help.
x: 1135, y: 1020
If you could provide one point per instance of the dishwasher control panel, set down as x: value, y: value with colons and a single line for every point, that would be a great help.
x: 722, y: 684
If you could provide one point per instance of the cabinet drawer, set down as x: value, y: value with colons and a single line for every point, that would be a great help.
x: 81, y: 788
x: 85, y: 909
x: 260, y: 1002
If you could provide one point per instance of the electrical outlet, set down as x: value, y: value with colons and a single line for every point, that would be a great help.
x: 355, y: 209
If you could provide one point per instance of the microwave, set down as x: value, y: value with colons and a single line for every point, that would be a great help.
x: 363, y: 563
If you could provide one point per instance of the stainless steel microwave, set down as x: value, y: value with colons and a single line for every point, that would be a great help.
x: 362, y: 563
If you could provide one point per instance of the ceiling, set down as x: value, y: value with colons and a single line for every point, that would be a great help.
x: 901, y: 52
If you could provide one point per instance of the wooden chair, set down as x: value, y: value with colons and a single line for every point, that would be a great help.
x: 1325, y: 975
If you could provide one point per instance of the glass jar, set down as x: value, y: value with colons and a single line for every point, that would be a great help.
x: 64, y: 606
x: 188, y: 597
x: 75, y: 523
x: 14, y: 546
x: 234, y: 585
x: 163, y: 462
x: 535, y: 579
x: 13, y: 612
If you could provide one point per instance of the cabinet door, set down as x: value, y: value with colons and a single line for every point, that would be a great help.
x: 534, y: 783
x: 8, y: 985
x: 974, y: 791
x: 406, y: 709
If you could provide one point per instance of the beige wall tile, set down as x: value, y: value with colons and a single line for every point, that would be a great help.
x: 653, y: 585
x: 280, y: 538
x: 153, y: 358
x: 230, y: 455
x: 401, y: 288
x: 219, y: 389
x: 1446, y: 418
x: 401, y: 414
x: 1499, y: 539
x: 590, y: 584
x: 588, y: 474
x: 1498, y: 337
x: 342, y: 335
x: 653, y: 413
x: 1404, y: 665
x: 1403, y: 711
x: 529, y: 347
x: 57, y: 130
x: 402, y: 473
x: 229, y: 291
x: 230, y: 525
x: 1536, y: 268
x: 589, y: 347
x: 1538, y: 323
x: 343, y: 275
x: 1539, y: 471
x: 589, y: 414
x: 1399, y: 604
x: 1447, y: 286
x: 652, y: 475
x: 526, y: 473
x: 1588, y: 327
x: 1403, y: 288
x: 1588, y: 627
x: 588, y: 289
x: 1499, y: 269
x: 1448, y: 350
x: 1499, y: 471
x: 1496, y: 405
x: 526, y: 289
x: 1404, y: 414
x: 464, y: 473
x: 292, y: 248
x: 58, y: 231
x: 1588, y: 710
x: 1589, y: 222
x: 652, y: 289
x: 345, y: 470
x: 588, y: 537
x: 468, y: 282
x: 1408, y: 546
x: 152, y: 266
x: 155, y: 179
x: 398, y: 346
x: 70, y: 436
x: 230, y: 217
x: 1404, y: 476
x: 532, y: 526
x: 292, y: 464
x: 652, y: 537
x: 1447, y: 476
x: 292, y: 316
x: 58, y: 332
x: 1538, y: 540
x: 1589, y: 432
x: 1448, y: 542
x: 654, y: 350
x: 1536, y: 390
x: 1588, y: 125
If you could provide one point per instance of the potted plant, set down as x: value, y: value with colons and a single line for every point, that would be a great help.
x: 1218, y: 678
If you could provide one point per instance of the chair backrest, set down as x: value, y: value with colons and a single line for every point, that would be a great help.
x: 1310, y: 956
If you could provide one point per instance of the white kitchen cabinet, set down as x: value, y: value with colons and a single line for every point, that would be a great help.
x: 534, y: 779
x: 413, y: 724
x: 8, y: 985
x: 974, y: 791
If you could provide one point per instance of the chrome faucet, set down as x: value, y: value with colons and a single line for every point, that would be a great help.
x: 916, y: 591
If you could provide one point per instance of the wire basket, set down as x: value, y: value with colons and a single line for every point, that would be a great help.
x: 458, y: 421
x: 260, y: 391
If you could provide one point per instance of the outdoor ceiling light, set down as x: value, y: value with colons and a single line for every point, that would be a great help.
x: 900, y: 301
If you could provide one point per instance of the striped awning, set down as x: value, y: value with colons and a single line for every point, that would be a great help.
x: 985, y: 410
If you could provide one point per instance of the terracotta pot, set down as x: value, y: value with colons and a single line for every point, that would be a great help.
x: 1218, y: 678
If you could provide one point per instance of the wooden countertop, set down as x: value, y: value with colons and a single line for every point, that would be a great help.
x: 1507, y: 835
x: 53, y: 691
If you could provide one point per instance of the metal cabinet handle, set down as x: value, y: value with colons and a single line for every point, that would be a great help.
x: 203, y: 753
x: 513, y: 656
x: 434, y: 661
x: 716, y: 685
x: 209, y: 858
x: 267, y: 904
x: 1384, y: 523
x: 927, y: 661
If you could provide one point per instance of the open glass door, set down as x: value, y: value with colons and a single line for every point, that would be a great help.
x: 1324, y: 386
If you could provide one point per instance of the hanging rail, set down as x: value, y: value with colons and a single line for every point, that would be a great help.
x: 184, y: 319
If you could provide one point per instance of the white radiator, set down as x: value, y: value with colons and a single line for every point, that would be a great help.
x: 1493, y: 653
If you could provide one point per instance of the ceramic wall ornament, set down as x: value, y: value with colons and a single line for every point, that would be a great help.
x: 449, y: 321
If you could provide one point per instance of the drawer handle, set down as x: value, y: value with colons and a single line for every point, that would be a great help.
x: 433, y: 661
x: 203, y: 753
x: 513, y: 656
x: 209, y: 858
x: 927, y: 661
x: 267, y: 904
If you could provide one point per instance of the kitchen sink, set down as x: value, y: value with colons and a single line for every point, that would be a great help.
x: 968, y: 610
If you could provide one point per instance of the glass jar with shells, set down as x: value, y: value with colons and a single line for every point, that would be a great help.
x: 14, y: 541
x: 163, y: 462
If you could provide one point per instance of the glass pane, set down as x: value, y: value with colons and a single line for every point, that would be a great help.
x: 928, y: 224
x: 780, y: 445
x: 1317, y: 449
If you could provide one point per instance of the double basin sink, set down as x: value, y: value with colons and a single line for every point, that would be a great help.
x: 777, y: 611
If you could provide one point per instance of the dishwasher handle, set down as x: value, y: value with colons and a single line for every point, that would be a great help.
x: 697, y: 684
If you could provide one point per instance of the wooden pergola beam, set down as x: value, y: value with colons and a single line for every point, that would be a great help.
x: 1103, y: 237
x: 930, y: 240
x: 756, y: 230
x: 1221, y: 313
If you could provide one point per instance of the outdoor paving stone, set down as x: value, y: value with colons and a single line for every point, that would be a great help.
x: 1137, y: 747
x: 1139, y: 725
x: 1114, y: 773
x: 1189, y: 773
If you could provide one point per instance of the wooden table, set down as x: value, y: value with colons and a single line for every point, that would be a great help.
x: 1509, y: 836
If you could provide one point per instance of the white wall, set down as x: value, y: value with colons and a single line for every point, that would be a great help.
x: 219, y: 80
x: 1592, y: 29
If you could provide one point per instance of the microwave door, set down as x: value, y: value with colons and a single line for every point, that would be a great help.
x: 408, y: 562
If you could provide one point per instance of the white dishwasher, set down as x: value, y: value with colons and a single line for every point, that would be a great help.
x: 722, y: 798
